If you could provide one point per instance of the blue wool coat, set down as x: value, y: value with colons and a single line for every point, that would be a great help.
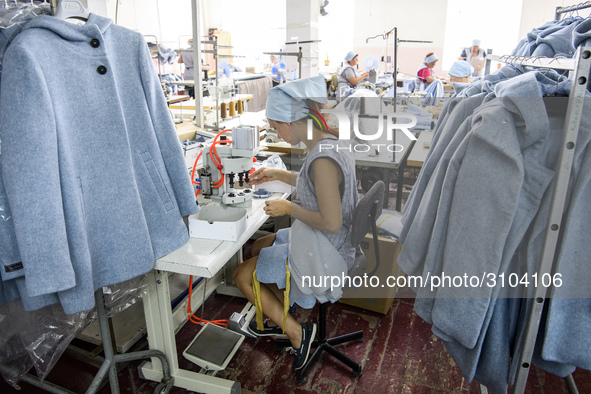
x: 92, y: 165
x: 480, y: 344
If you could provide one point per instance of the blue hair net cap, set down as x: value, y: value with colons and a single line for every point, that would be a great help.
x: 431, y: 58
x: 350, y: 56
x: 287, y: 102
x: 475, y: 43
x: 461, y: 69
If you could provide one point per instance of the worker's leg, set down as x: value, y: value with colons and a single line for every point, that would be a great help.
x: 261, y: 243
x: 272, y: 306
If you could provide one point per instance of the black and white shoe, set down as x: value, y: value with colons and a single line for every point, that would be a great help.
x: 301, y: 354
x: 266, y: 331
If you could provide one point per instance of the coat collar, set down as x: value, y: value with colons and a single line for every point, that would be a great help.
x: 71, y: 31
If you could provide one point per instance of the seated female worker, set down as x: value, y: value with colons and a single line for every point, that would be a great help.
x: 426, y: 73
x: 326, y: 188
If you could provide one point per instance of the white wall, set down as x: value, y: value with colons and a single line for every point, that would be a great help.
x: 495, y: 23
x: 336, y: 31
x: 421, y: 20
x: 301, y: 17
x: 169, y: 21
x: 258, y: 26
x: 538, y: 12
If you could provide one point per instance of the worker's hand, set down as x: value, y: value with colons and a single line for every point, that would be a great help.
x: 365, y: 74
x: 263, y: 175
x: 277, y: 207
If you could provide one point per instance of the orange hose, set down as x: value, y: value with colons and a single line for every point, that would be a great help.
x: 196, y: 320
x: 214, y: 155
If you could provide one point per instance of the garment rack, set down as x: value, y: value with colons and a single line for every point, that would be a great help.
x: 571, y: 8
x: 555, y: 63
x: 580, y: 65
x: 109, y: 365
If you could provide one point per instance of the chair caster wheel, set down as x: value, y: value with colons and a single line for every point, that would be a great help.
x: 360, y: 340
x: 302, y: 379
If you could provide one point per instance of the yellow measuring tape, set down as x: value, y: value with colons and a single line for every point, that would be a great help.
x: 256, y: 289
x: 383, y: 220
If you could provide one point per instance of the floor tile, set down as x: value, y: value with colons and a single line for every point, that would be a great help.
x: 399, y: 354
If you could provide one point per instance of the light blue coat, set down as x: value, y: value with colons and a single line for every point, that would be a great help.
x: 471, y: 342
x: 499, y: 188
x: 92, y: 165
x: 11, y: 276
x: 551, y: 39
x: 557, y: 43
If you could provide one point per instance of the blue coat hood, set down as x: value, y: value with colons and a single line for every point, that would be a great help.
x: 93, y: 168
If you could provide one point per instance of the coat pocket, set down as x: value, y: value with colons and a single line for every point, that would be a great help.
x: 157, y: 181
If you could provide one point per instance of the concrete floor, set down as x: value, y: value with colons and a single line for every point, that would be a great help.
x: 399, y: 355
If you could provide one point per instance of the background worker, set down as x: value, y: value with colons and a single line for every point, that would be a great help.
x: 476, y: 56
x: 348, y: 76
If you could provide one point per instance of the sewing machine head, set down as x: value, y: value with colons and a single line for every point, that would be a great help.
x: 226, y: 167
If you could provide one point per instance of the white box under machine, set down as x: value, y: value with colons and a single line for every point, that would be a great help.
x: 218, y: 222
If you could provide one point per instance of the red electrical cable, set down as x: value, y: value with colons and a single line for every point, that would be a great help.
x: 218, y: 183
x: 197, y: 320
x: 214, y: 155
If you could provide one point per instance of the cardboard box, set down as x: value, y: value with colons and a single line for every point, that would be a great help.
x: 186, y: 131
x: 217, y: 222
x: 380, y: 298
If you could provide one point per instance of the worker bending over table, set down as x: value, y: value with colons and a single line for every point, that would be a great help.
x: 319, y: 236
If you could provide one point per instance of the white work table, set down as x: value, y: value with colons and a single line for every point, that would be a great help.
x: 420, y: 150
x: 201, y: 258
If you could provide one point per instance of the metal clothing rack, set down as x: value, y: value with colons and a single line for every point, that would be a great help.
x: 298, y: 54
x: 580, y: 65
x: 216, y: 56
x: 109, y: 365
x: 402, y: 164
x: 571, y: 8
x: 395, y: 60
x: 556, y: 63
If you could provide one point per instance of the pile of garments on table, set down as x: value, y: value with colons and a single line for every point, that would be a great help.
x: 479, y: 210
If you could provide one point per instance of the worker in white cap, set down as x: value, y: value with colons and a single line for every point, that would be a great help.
x: 425, y: 74
x: 476, y: 57
x: 319, y: 240
x: 348, y: 75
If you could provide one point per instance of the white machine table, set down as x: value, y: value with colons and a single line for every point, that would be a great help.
x: 198, y: 257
